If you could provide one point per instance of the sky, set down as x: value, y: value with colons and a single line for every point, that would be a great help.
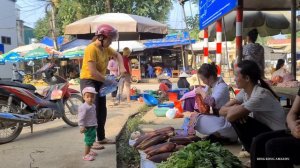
x: 31, y: 11
x: 176, y: 17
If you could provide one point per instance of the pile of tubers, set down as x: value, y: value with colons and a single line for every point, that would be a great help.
x: 161, y: 143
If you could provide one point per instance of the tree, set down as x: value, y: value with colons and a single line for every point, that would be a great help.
x: 69, y: 11
x: 193, y: 25
x: 42, y: 27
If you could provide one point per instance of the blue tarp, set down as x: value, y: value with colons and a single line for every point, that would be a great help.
x: 74, y: 43
x: 48, y: 41
x: 170, y: 40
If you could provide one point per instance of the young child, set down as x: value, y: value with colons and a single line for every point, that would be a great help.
x: 88, y: 121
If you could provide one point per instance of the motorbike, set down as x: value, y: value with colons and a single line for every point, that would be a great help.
x: 19, y: 76
x: 21, y: 105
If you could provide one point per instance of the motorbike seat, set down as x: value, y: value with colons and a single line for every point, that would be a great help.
x: 17, y: 84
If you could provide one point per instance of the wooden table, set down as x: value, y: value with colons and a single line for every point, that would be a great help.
x: 289, y: 93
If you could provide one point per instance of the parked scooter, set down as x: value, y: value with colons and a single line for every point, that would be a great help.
x: 21, y: 106
x: 20, y: 76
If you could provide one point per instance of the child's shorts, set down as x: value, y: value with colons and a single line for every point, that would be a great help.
x: 89, y: 136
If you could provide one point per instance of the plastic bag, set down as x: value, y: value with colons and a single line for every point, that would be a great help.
x: 110, y: 85
x: 171, y: 113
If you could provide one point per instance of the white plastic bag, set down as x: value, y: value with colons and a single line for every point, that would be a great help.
x: 171, y: 113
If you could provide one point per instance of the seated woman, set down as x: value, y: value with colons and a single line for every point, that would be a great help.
x: 281, y: 74
x: 164, y: 86
x: 255, y: 98
x: 283, y: 144
x: 182, y: 82
x: 215, y: 95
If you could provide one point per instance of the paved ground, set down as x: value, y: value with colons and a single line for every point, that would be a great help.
x: 57, y: 145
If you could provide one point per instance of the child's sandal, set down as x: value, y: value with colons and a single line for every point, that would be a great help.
x: 88, y: 157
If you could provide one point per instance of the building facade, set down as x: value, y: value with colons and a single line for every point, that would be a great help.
x: 9, y: 26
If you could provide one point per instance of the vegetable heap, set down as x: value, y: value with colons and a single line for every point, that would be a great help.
x: 202, y: 154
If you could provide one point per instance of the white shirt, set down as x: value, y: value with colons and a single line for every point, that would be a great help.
x: 264, y: 106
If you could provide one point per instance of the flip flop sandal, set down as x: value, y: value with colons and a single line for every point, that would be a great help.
x: 92, y: 153
x: 88, y: 157
x: 97, y: 146
x: 106, y: 141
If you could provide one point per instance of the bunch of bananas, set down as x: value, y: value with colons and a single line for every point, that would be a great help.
x: 27, y: 79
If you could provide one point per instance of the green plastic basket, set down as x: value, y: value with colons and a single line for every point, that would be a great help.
x: 161, y: 112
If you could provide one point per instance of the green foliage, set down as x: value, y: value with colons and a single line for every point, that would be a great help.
x: 193, y: 24
x: 202, y: 154
x: 127, y: 155
x: 69, y: 11
x: 42, y: 27
x: 262, y: 40
x: 289, y: 35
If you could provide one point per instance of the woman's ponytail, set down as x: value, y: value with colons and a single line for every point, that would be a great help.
x: 267, y: 86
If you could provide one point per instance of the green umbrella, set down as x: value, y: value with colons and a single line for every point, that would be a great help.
x: 73, y: 54
x: 38, y: 53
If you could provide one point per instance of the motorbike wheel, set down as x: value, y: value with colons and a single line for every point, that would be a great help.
x: 9, y: 130
x: 71, y: 110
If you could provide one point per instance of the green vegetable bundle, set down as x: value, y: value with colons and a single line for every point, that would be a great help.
x: 202, y: 154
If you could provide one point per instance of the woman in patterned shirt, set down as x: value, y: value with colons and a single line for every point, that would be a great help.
x: 254, y: 51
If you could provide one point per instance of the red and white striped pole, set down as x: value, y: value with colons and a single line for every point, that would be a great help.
x: 205, y: 45
x: 239, y: 32
x: 219, y: 45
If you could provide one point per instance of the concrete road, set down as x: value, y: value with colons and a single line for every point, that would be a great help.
x: 57, y: 145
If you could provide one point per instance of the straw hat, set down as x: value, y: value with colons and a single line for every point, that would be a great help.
x: 183, y: 75
x: 193, y: 80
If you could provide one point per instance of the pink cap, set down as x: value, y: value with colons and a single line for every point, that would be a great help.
x: 89, y: 90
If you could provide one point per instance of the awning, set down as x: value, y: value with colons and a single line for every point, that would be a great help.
x: 170, y: 40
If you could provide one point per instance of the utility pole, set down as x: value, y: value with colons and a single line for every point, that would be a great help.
x: 193, y: 62
x: 52, y: 23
